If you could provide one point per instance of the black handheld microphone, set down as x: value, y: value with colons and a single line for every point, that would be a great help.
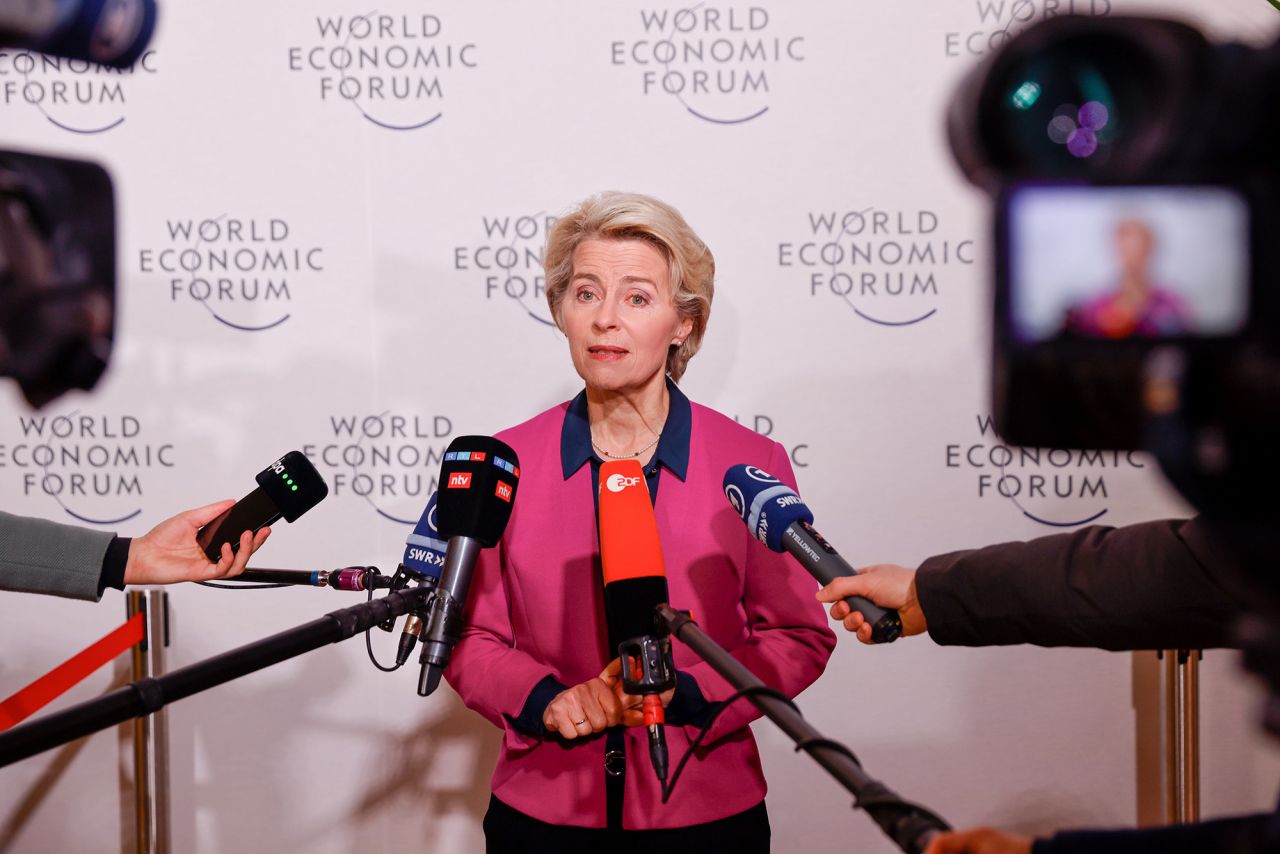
x: 779, y: 519
x: 288, y: 487
x: 478, y: 479
x: 108, y: 32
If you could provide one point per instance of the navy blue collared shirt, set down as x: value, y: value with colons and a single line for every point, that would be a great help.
x: 672, y: 452
x: 688, y: 705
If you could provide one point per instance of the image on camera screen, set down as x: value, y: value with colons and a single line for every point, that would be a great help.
x: 1127, y: 262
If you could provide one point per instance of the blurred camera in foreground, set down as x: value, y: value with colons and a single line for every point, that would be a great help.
x: 1133, y: 167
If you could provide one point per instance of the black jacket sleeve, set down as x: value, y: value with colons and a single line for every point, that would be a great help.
x: 1156, y: 585
x: 1242, y: 835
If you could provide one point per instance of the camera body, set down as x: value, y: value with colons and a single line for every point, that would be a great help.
x: 1136, y: 195
x: 57, y: 273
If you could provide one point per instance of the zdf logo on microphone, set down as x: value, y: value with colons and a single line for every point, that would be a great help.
x: 618, y: 482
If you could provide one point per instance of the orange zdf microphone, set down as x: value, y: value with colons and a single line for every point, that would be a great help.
x: 635, y: 584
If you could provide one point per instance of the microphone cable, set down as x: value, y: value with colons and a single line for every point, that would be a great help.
x: 368, y: 640
x: 218, y: 586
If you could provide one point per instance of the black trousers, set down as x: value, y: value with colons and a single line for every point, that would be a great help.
x: 509, y: 831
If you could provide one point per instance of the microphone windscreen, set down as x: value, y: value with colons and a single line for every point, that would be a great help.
x: 629, y: 544
x: 478, y: 479
x: 424, y: 550
x: 767, y: 505
x: 293, y: 484
x: 635, y: 576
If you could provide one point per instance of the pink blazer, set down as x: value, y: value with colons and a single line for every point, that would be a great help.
x: 535, y: 608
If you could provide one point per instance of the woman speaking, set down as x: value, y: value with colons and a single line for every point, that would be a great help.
x: 630, y: 285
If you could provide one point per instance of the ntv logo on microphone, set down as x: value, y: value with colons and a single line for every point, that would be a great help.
x: 394, y: 69
x: 244, y: 271
x: 95, y: 468
x: 721, y: 64
x: 888, y: 267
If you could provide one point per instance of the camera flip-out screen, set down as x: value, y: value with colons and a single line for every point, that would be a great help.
x: 1126, y: 262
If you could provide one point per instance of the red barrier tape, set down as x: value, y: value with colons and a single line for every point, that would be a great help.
x: 58, y: 681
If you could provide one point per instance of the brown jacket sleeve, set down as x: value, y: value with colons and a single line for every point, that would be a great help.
x: 1156, y: 585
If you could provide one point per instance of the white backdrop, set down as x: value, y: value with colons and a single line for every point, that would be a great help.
x: 382, y: 293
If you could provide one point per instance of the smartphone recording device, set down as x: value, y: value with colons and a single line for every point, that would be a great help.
x: 286, y: 489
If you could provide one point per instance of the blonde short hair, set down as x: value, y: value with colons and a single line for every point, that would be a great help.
x: 632, y: 216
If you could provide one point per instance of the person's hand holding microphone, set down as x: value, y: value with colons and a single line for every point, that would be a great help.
x: 983, y: 840
x: 169, y: 553
x: 887, y: 585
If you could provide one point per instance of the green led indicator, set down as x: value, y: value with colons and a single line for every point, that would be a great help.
x: 295, y: 487
x: 1025, y: 96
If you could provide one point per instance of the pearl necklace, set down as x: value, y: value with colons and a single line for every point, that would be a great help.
x: 625, y: 456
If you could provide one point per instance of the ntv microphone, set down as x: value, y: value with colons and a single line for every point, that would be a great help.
x: 107, y: 32
x: 635, y: 584
x: 424, y: 555
x: 777, y: 517
x: 478, y: 479
x: 287, y: 488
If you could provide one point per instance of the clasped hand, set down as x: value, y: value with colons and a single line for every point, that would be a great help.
x: 596, y: 705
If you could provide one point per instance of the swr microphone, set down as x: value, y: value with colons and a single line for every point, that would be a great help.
x: 108, y: 32
x: 424, y: 554
x: 288, y: 487
x: 423, y: 549
x: 777, y: 517
x: 635, y: 584
x: 478, y: 479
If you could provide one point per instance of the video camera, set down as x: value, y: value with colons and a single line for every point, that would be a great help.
x: 1134, y: 171
x: 57, y: 216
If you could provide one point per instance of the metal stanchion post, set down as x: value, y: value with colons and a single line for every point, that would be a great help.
x: 139, y: 840
x: 158, y: 634
x: 1182, y: 735
x: 1188, y: 693
x: 148, y: 734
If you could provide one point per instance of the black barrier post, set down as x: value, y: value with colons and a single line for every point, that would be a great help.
x: 909, y: 825
x: 148, y: 695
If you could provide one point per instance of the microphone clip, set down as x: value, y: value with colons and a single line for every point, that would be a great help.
x: 647, y: 665
x: 648, y: 669
x: 403, y: 578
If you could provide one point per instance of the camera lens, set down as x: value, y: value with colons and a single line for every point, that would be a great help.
x: 1069, y: 111
x: 1079, y: 99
